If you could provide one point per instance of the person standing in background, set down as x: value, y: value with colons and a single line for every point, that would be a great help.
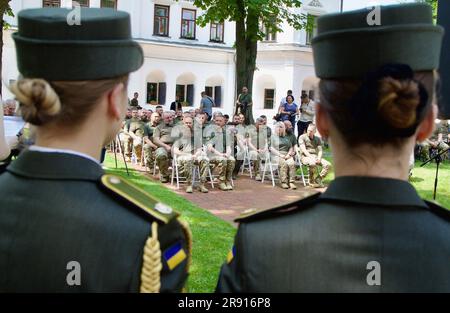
x: 176, y: 105
x: 206, y: 104
x: 244, y: 105
x: 307, y: 112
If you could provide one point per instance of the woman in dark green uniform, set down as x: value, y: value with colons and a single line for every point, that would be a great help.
x: 370, y: 231
x: 65, y: 226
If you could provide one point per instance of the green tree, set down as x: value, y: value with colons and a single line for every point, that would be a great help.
x: 4, y: 9
x: 249, y: 16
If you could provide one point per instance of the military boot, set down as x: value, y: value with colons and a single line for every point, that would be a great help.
x: 203, y: 189
x: 189, y: 189
x: 223, y: 186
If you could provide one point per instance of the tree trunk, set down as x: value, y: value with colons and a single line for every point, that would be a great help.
x: 251, y: 46
x: 241, y: 50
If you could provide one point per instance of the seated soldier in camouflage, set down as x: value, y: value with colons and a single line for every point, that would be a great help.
x: 258, y: 143
x: 437, y: 140
x: 132, y: 135
x: 189, y: 152
x: 282, y: 148
x: 162, y: 137
x: 311, y: 151
x: 221, y: 154
x: 149, y: 146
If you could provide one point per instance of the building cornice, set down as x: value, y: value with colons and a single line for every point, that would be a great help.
x: 185, y: 45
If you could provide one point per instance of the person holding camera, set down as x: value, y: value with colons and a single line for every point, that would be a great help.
x: 307, y: 112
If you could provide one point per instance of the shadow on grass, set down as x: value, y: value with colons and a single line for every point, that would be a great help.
x: 212, y: 237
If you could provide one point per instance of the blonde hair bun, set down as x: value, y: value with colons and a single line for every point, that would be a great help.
x: 39, y: 102
x: 398, y: 102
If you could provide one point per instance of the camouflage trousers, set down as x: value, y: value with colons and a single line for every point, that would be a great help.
x: 286, y: 169
x: 425, y: 153
x: 225, y: 167
x: 186, y: 167
x: 149, y: 156
x: 311, y: 162
x: 129, y: 142
x: 257, y: 158
x: 162, y: 160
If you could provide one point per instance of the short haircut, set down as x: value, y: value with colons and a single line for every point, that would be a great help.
x: 159, y: 106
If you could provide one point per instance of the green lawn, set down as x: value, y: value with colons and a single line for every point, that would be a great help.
x: 213, y: 237
x: 423, y: 180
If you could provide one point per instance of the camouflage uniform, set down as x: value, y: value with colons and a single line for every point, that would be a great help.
x: 164, y: 133
x: 286, y: 167
x: 314, y: 146
x: 259, y: 139
x: 222, y: 140
x: 136, y: 127
x: 149, y: 152
x: 187, y: 160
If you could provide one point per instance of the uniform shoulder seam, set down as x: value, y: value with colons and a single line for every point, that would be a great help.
x: 253, y: 214
x: 147, y: 204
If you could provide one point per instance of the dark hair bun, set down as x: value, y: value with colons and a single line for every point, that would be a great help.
x: 398, y: 102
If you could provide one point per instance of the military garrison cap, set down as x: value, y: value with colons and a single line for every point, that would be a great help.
x: 100, y: 47
x: 346, y: 46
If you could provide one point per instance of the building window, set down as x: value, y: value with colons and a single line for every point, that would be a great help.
x: 269, y: 95
x: 188, y: 24
x: 161, y: 21
x: 216, y: 32
x: 311, y: 28
x: 83, y: 3
x: 186, y: 94
x: 269, y: 33
x: 51, y: 3
x: 156, y: 93
x: 215, y: 93
x: 109, y: 4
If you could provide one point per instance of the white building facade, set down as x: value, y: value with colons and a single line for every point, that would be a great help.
x: 183, y: 59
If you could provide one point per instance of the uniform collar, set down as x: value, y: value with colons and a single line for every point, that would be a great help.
x: 374, y: 191
x: 55, y: 165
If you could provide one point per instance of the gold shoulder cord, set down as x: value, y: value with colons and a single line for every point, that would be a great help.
x: 151, y: 265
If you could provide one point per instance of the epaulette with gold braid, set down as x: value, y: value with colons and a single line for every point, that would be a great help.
x: 253, y: 214
x: 139, y: 198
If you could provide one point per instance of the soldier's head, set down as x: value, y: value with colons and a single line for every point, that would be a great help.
x: 244, y: 90
x: 280, y: 129
x: 227, y: 118
x: 288, y: 125
x: 134, y: 113
x: 311, y: 130
x: 259, y: 122
x: 264, y: 118
x: 219, y: 120
x: 305, y: 98
x: 136, y: 95
x: 200, y: 118
x: 155, y: 118
x: 241, y: 119
x: 59, y: 96
x: 167, y: 118
x: 159, y: 109
x: 188, y: 122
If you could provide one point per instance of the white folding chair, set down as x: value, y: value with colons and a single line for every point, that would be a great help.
x: 271, y: 169
x: 298, y: 162
x: 247, y: 164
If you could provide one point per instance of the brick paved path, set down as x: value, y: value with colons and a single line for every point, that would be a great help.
x: 247, y: 194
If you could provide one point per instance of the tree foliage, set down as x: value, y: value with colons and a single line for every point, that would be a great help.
x: 249, y: 16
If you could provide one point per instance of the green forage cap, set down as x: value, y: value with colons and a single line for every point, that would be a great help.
x: 346, y: 46
x: 100, y: 47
